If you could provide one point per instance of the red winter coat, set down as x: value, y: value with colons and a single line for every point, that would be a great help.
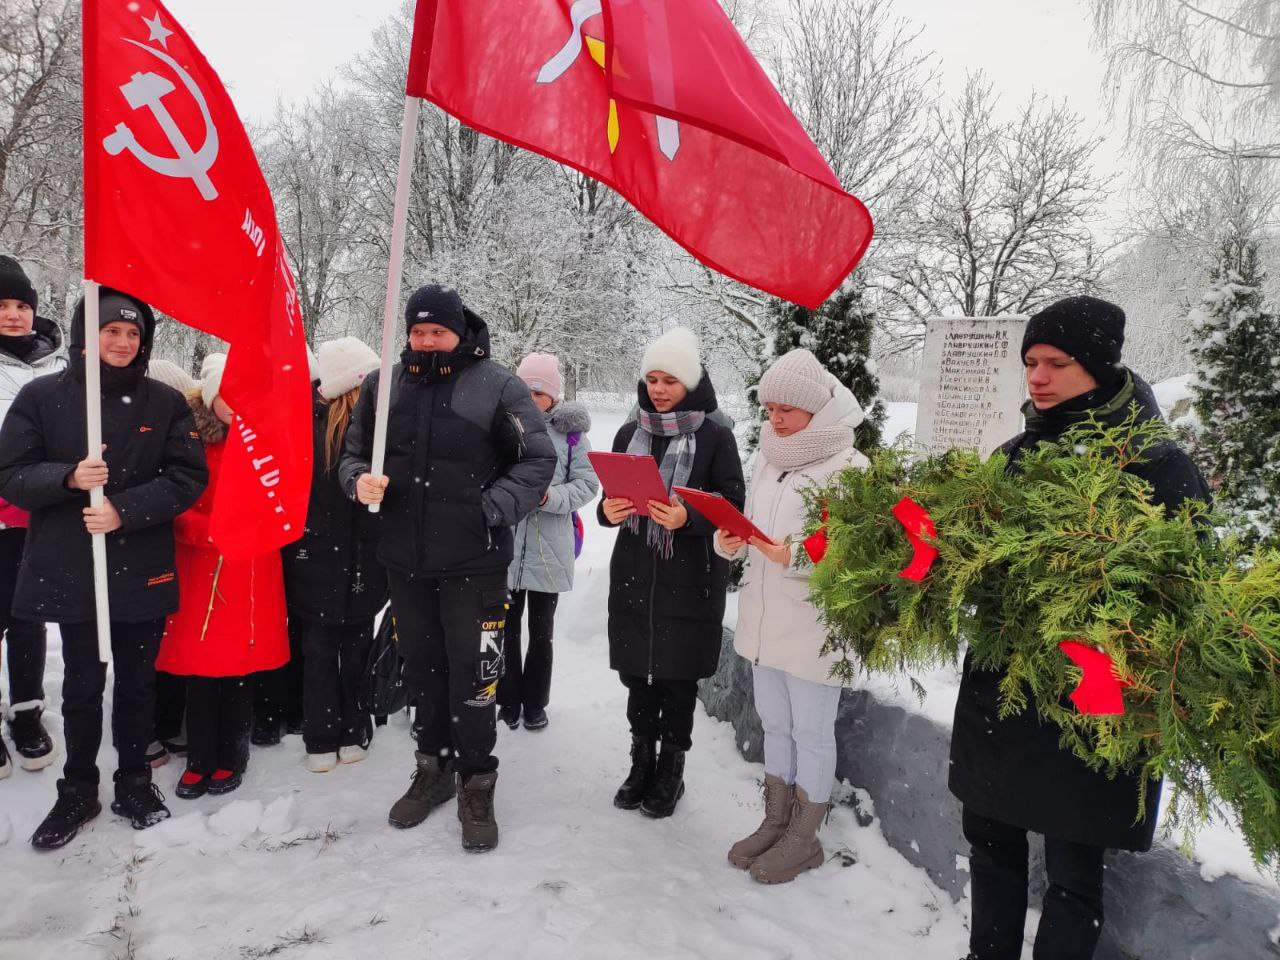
x: 231, y: 621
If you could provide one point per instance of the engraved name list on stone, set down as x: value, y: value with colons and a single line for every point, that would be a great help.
x: 971, y: 383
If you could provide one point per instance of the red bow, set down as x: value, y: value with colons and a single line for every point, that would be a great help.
x: 918, y: 524
x: 1099, y: 690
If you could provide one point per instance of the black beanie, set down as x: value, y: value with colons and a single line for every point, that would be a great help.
x: 14, y: 283
x: 434, y: 303
x: 1089, y: 329
x: 113, y: 307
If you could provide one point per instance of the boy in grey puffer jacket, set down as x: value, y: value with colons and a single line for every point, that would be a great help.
x: 545, y: 548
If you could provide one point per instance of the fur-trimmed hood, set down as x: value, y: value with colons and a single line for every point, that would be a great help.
x: 569, y: 416
x: 211, y: 429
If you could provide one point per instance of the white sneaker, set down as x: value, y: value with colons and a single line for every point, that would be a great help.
x: 6, y: 767
x: 321, y: 762
x: 352, y: 753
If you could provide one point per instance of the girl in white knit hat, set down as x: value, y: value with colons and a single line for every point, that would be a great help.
x: 333, y: 581
x: 807, y: 438
x: 666, y: 585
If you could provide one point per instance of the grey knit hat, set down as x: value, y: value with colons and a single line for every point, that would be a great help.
x: 796, y: 379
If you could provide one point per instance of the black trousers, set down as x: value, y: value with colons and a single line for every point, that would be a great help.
x: 662, y: 710
x: 527, y: 682
x: 277, y: 694
x: 334, y: 658
x: 219, y: 714
x: 450, y: 634
x: 25, y: 644
x: 1071, y: 919
x: 171, y: 705
x: 133, y: 650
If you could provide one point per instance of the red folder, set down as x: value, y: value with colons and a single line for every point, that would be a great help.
x: 721, y: 512
x: 630, y: 475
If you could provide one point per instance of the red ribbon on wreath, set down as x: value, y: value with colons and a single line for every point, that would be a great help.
x: 918, y: 525
x: 1099, y: 690
x: 815, y: 545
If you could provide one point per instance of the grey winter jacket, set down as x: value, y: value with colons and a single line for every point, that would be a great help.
x: 544, y: 539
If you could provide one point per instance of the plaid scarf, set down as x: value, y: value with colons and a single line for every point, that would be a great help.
x: 677, y: 462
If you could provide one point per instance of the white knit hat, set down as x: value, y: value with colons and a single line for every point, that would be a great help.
x: 797, y: 379
x: 313, y: 364
x: 676, y: 353
x: 211, y: 377
x: 170, y: 374
x: 344, y: 363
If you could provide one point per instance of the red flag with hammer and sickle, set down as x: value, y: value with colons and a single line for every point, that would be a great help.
x: 178, y: 214
x: 662, y: 101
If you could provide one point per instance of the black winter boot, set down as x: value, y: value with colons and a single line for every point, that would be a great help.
x: 138, y: 799
x: 475, y: 811
x: 76, y: 805
x: 643, y: 757
x: 668, y: 784
x: 30, y: 739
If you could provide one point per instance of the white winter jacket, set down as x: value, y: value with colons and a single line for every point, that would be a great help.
x: 777, y: 625
x: 49, y: 356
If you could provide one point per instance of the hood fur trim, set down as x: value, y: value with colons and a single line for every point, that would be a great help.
x: 210, y: 428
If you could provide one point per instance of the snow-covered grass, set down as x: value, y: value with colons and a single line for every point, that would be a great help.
x: 296, y: 864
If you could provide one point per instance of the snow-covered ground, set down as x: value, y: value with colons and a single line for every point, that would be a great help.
x: 303, y: 865
x: 300, y: 865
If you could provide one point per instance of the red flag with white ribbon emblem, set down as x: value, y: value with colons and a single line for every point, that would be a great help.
x: 662, y: 101
x: 177, y: 213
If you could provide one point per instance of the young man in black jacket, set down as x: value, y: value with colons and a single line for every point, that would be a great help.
x: 152, y: 468
x: 468, y: 455
x: 1012, y: 774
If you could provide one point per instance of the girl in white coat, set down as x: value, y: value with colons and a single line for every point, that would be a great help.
x: 807, y: 439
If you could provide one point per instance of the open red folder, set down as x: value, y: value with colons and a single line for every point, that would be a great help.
x: 630, y: 475
x: 721, y: 512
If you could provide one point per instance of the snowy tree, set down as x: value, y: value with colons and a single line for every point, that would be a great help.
x: 1004, y: 223
x: 41, y: 220
x: 1235, y: 343
x: 1203, y: 77
x: 839, y: 334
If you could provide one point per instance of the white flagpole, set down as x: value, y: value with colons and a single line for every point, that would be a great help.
x: 93, y: 417
x: 391, y: 311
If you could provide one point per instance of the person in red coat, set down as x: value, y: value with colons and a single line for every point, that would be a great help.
x: 230, y: 624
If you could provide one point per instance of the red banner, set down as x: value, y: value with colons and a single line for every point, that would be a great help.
x: 662, y: 101
x: 177, y: 212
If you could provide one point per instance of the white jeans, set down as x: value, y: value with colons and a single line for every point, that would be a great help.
x: 799, y: 718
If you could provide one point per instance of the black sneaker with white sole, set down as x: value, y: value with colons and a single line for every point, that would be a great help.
x: 31, y: 742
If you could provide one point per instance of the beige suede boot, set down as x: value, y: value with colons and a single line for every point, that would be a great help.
x: 798, y: 849
x: 777, y: 814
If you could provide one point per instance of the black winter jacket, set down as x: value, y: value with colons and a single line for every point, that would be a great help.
x: 468, y: 456
x: 666, y: 616
x: 332, y: 574
x: 156, y: 470
x: 1014, y: 770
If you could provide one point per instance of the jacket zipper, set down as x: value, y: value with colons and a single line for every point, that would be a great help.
x: 773, y: 516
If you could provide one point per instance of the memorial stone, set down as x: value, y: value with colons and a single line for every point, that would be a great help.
x: 972, y: 384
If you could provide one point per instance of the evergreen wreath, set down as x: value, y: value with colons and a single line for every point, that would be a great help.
x: 1071, y: 548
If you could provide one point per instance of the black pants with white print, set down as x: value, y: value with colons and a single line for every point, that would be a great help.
x: 450, y: 635
x: 24, y: 641
x: 527, y: 682
x: 333, y: 665
x: 134, y: 647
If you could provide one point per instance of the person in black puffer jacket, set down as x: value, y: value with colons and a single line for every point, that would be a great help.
x: 333, y: 581
x: 1012, y: 775
x: 467, y: 457
x: 667, y: 584
x: 152, y: 469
